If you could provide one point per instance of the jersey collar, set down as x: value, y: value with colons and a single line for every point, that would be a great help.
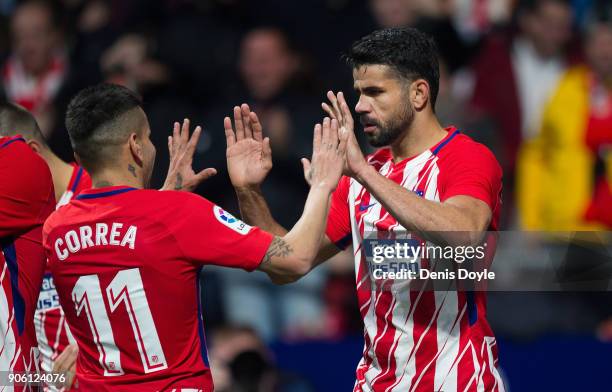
x: 11, y: 139
x: 434, y: 150
x: 104, y: 192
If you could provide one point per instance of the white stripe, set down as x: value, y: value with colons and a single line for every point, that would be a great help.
x: 452, y: 362
x: 447, y: 360
x: 478, y: 371
x: 375, y: 369
x: 431, y: 192
x: 7, y: 314
x: 490, y: 342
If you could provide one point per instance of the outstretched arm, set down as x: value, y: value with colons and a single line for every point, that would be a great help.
x: 249, y: 160
x: 293, y: 254
x: 460, y: 213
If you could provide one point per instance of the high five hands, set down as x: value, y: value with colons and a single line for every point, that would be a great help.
x: 328, y: 152
x: 249, y: 156
x: 338, y: 109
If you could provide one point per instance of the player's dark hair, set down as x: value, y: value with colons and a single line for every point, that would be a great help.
x: 100, y: 118
x: 16, y: 120
x: 407, y: 51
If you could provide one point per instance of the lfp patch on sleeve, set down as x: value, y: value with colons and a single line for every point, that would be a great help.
x: 230, y: 221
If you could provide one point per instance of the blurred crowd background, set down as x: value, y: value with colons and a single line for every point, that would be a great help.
x: 531, y: 79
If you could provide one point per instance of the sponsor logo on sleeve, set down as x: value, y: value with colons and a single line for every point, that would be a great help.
x: 230, y: 221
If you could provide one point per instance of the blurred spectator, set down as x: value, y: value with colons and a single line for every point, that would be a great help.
x: 269, y: 69
x: 565, y: 174
x: 452, y: 98
x: 342, y: 317
x: 37, y: 66
x: 432, y: 17
x: 396, y: 13
x: 240, y: 362
x: 127, y: 62
x: 270, y: 84
x: 516, y: 73
x: 225, y: 344
x: 474, y: 18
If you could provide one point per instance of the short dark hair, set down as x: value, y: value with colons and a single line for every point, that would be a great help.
x: 15, y: 120
x: 409, y: 52
x: 100, y: 118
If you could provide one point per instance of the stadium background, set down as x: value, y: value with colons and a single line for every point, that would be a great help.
x: 503, y: 62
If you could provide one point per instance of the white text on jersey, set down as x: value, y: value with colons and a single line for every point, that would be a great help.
x: 90, y: 235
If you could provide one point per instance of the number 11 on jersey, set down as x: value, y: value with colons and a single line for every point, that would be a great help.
x: 125, y: 288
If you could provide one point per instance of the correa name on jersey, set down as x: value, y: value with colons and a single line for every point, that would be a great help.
x: 88, y: 236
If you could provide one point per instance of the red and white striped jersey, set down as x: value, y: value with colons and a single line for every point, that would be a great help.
x: 52, y: 331
x: 421, y: 340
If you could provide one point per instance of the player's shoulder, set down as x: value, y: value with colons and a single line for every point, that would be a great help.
x: 54, y: 219
x: 163, y: 204
x: 129, y: 202
x: 19, y: 163
x: 463, y: 150
x: 179, y: 198
x: 6, y: 141
x: 15, y: 147
x: 60, y: 217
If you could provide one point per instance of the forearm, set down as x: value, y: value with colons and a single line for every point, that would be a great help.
x: 413, y: 212
x: 305, y: 236
x: 295, y: 254
x: 255, y: 211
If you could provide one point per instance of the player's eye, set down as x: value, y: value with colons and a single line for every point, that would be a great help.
x: 372, y: 91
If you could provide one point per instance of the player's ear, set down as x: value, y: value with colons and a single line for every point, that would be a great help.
x: 34, y: 145
x: 136, y: 148
x: 419, y: 94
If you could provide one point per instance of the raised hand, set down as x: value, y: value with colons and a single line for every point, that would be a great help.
x: 328, y: 152
x: 249, y: 156
x: 338, y: 109
x: 181, y: 176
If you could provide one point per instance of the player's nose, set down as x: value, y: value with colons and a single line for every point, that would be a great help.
x: 362, y: 106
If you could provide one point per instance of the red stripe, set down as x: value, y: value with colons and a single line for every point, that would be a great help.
x: 385, y: 336
x: 427, y: 349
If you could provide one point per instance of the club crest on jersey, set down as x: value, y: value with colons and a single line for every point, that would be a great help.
x: 230, y: 221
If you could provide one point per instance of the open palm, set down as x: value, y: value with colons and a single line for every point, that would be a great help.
x: 338, y: 109
x: 249, y: 156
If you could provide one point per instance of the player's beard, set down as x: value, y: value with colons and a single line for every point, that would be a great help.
x: 390, y: 131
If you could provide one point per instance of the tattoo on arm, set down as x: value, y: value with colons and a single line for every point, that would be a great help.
x: 179, y: 182
x: 132, y: 170
x: 278, y: 248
